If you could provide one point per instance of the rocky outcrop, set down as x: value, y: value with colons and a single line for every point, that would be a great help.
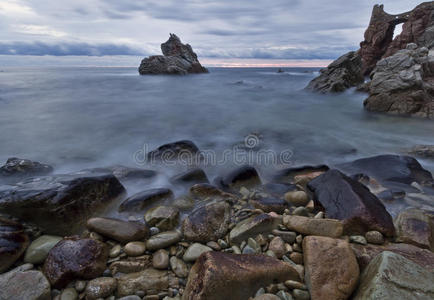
x: 343, y: 73
x: 177, y: 58
x: 60, y: 205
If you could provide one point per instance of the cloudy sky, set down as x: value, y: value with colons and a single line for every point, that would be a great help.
x: 221, y: 29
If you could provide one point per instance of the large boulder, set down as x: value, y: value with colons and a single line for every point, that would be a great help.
x: 416, y: 226
x: 75, y: 258
x: 21, y: 283
x: 218, y: 275
x: 121, y: 231
x: 343, y: 73
x: 350, y: 201
x: 331, y: 269
x: 60, y: 205
x: 13, y: 243
x: 177, y: 58
x: 207, y: 223
x: 18, y: 168
x: 392, y: 276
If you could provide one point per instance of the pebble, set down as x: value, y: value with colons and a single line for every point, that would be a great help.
x: 178, y: 267
x: 69, y: 294
x: 277, y: 245
x: 160, y: 259
x: 296, y: 257
x: 38, y: 250
x: 248, y: 250
x: 287, y: 236
x: 300, y: 294
x: 374, y: 237
x: 213, y: 245
x: 135, y: 248
x: 301, y: 211
x: 80, y: 285
x: 297, y: 198
x: 222, y: 244
x: 236, y: 249
x: 115, y: 251
x: 254, y: 245
x: 292, y: 284
x: 261, y: 240
x: 270, y: 253
x: 319, y: 215
x: 131, y: 297
x: 299, y: 239
x: 194, y: 251
x: 358, y: 239
x: 100, y: 288
x: 284, y: 295
x: 260, y: 292
x: 154, y: 230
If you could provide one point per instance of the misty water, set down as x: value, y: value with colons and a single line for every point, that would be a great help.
x: 84, y: 117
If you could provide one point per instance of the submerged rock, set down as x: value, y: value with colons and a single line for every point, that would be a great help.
x: 13, y: 243
x: 18, y: 168
x: 177, y: 58
x: 184, y: 149
x: 218, y: 275
x: 246, y: 176
x: 60, y: 205
x: 190, y: 177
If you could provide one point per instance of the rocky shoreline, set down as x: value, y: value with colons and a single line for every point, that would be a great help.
x: 311, y: 232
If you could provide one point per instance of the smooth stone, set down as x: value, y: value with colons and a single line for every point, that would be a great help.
x: 301, y: 211
x: 80, y: 285
x: 69, y: 294
x: 297, y: 198
x: 284, y: 295
x: 358, y: 239
x: 20, y: 284
x: 291, y: 284
x: 178, y: 267
x: 163, y: 217
x: 374, y: 237
x: 249, y: 250
x: 115, y: 251
x: 163, y: 240
x: 301, y: 295
x: 135, y: 248
x: 287, y: 236
x: 194, y: 251
x: 118, y: 230
x: 277, y: 245
x: 147, y: 280
x: 130, y: 297
x: 160, y: 259
x: 296, y: 257
x: 267, y: 297
x: 131, y: 266
x: 38, y: 250
x: 100, y: 288
x: 269, y: 204
x: 311, y: 226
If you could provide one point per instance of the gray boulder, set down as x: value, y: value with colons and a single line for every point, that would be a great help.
x: 177, y: 58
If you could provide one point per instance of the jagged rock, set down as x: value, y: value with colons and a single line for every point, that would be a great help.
x: 17, y: 169
x: 415, y: 226
x: 343, y: 73
x: 350, y: 201
x: 60, y: 205
x: 392, y: 276
x: 218, y: 275
x: 13, y: 243
x: 140, y: 201
x: 177, y: 58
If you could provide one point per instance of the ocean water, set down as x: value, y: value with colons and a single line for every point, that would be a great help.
x: 83, y: 117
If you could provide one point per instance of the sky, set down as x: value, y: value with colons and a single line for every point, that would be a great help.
x: 300, y: 30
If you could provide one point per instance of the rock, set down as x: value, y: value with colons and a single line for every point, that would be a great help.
x: 194, y: 251
x: 310, y: 226
x: 301, y: 295
x: 19, y: 284
x: 174, y: 151
x: 207, y: 223
x: 303, y: 173
x: 348, y: 200
x: 245, y: 176
x: 140, y: 201
x: 39, y: 248
x: 60, y: 205
x: 422, y: 257
x: 218, y: 275
x: 13, y: 243
x: 178, y: 267
x: 331, y: 269
x: 416, y: 226
x: 301, y: 211
x: 343, y: 73
x: 291, y: 284
x: 287, y: 236
x: 100, y: 288
x: 297, y: 198
x: 135, y: 248
x: 121, y: 231
x: 80, y: 285
x: 392, y: 276
x: 424, y: 151
x: 160, y: 259
x: 374, y: 237
x: 190, y: 177
x: 269, y: 204
x: 163, y: 217
x: 17, y: 169
x: 127, y: 173
x: 69, y: 294
x: 358, y: 239
x: 277, y: 190
x: 163, y: 240
x: 177, y: 58
x: 147, y: 280
x: 251, y: 227
x: 74, y: 258
x: 277, y: 245
x: 266, y: 297
x: 131, y: 266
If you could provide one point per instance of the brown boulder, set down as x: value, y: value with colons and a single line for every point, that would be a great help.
x: 121, y: 231
x: 13, y: 243
x: 74, y: 258
x: 331, y: 269
x: 218, y: 275
x: 416, y: 226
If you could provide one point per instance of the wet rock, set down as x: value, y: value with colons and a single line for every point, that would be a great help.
x: 310, y: 226
x: 277, y: 190
x: 424, y: 151
x: 422, y: 257
x: 121, y: 231
x: 266, y: 297
x: 132, y: 265
x: 190, y: 177
x: 17, y: 169
x: 147, y: 280
x: 13, y: 243
x: 358, y: 239
x: 277, y: 245
x: 343, y: 73
x: 163, y: 217
x: 246, y: 176
x: 251, y: 227
x: 178, y: 267
x: 39, y: 248
x: 163, y: 240
x: 269, y: 204
x: 127, y: 173
x: 304, y: 173
x: 19, y: 284
x: 160, y: 259
x: 348, y: 200
x: 297, y: 198
x: 174, y: 151
x: 194, y: 251
x: 100, y: 288
x: 177, y: 59
x: 60, y: 205
x: 416, y: 226
x: 74, y: 258
x: 331, y: 269
x: 392, y: 276
x: 218, y: 275
x: 135, y: 248
x: 207, y: 223
x: 68, y: 294
x: 140, y: 201
x: 287, y: 236
x: 374, y: 237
